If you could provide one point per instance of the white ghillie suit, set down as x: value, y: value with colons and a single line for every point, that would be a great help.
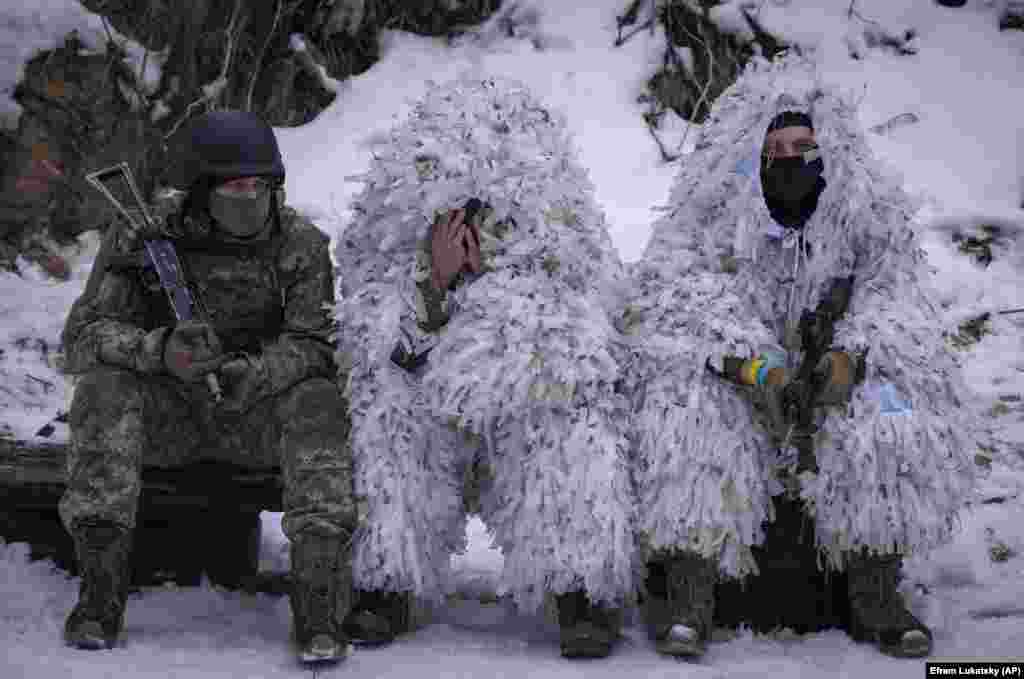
x: 523, y: 372
x: 720, y: 277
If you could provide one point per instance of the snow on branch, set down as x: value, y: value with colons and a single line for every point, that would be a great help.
x: 213, y: 90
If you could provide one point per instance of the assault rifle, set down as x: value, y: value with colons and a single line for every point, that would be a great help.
x: 817, y: 332
x: 800, y: 396
x: 160, y: 253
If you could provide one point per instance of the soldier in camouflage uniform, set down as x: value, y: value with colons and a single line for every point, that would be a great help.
x: 265, y: 276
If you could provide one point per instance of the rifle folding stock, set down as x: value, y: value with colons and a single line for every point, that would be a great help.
x: 118, y: 185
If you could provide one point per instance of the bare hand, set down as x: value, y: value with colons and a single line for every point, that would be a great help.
x: 472, y: 243
x: 454, y: 245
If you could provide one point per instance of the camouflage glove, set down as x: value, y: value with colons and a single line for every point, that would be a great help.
x: 244, y: 380
x: 192, y: 350
x: 837, y: 372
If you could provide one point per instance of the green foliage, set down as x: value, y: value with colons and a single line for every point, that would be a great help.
x: 979, y: 246
x: 971, y: 331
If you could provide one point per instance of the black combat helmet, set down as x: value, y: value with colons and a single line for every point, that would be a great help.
x: 222, y: 145
x: 227, y: 144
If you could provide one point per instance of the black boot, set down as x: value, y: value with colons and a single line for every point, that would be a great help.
x: 680, y: 603
x: 877, y: 612
x: 586, y: 630
x: 378, y: 617
x: 321, y: 596
x: 103, y: 549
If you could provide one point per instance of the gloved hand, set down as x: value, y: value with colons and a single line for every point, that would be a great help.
x: 767, y: 375
x: 837, y: 372
x: 192, y: 350
x: 138, y: 229
x: 244, y: 379
x: 758, y: 371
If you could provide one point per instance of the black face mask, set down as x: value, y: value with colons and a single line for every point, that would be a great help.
x: 791, y: 189
x: 790, y: 180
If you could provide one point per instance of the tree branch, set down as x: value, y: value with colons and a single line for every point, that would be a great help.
x: 665, y: 155
x: 622, y: 41
x: 707, y: 85
x: 263, y: 52
x: 212, y: 89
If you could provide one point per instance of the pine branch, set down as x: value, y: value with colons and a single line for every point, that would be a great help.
x: 853, y: 13
x: 622, y: 41
x: 629, y: 18
x: 707, y: 85
x: 212, y: 89
x: 665, y: 155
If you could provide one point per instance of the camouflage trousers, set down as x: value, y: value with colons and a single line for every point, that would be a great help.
x: 121, y: 421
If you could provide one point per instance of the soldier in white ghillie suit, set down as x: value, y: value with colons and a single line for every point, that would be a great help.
x: 781, y: 199
x: 476, y: 278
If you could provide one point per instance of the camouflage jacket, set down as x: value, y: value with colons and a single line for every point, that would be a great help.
x: 271, y: 300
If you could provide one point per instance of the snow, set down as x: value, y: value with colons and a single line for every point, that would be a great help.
x: 298, y: 44
x: 965, y: 156
x: 27, y: 28
x: 206, y: 632
x: 32, y: 311
x: 966, y: 151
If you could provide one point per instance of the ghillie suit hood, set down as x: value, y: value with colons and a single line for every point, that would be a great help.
x: 525, y: 366
x: 721, y: 277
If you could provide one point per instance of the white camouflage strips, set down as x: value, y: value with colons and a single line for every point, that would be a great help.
x: 716, y: 279
x: 524, y: 370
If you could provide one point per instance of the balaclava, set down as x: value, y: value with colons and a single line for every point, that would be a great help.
x: 224, y: 145
x: 241, y: 216
x: 792, y: 186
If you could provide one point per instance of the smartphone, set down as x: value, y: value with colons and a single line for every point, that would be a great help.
x: 472, y: 207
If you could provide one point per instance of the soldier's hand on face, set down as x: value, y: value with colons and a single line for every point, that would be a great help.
x: 447, y: 252
x: 471, y: 242
x: 193, y: 350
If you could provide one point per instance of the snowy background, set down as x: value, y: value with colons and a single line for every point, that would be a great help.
x: 964, y: 155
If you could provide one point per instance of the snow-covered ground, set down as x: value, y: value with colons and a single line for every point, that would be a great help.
x: 965, y: 156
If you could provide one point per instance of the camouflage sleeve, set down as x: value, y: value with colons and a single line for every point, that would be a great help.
x: 432, y: 311
x: 105, y: 324
x: 304, y: 348
x: 431, y: 306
